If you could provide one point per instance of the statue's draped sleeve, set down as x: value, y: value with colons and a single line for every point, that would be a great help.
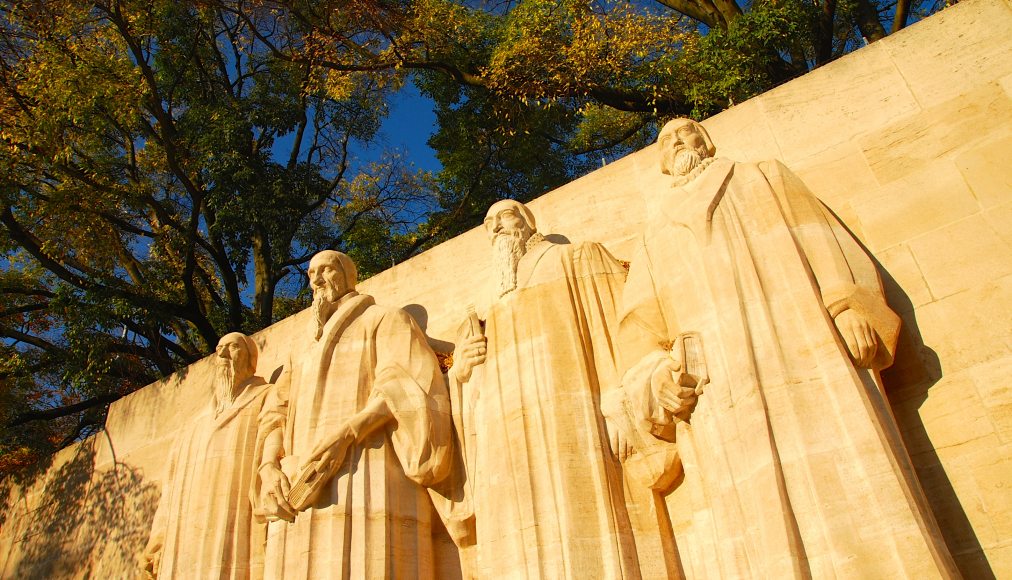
x: 846, y: 276
x: 643, y: 327
x: 409, y: 379
x: 272, y: 417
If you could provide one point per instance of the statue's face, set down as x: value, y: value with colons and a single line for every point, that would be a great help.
x: 233, y: 350
x: 506, y: 221
x: 509, y: 232
x: 683, y: 149
x: 327, y: 279
x: 687, y: 137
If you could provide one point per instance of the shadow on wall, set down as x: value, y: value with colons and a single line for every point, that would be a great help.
x: 421, y: 316
x: 915, y: 370
x: 92, y: 524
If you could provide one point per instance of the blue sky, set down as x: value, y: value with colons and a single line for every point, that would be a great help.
x: 410, y: 124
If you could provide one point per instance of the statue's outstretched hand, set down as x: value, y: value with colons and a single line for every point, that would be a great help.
x: 859, y: 337
x: 468, y: 354
x: 274, y: 491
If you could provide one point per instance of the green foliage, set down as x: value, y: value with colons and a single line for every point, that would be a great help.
x: 167, y: 168
x: 728, y: 66
x: 166, y: 178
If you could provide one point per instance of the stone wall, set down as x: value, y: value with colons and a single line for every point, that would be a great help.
x: 908, y: 141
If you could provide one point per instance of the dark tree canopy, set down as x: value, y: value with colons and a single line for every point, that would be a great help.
x: 167, y: 168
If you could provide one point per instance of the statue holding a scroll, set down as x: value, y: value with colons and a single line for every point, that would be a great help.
x: 529, y: 371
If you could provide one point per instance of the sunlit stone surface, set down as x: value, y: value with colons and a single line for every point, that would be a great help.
x: 792, y: 454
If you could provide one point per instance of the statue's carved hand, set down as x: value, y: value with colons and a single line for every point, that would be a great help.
x: 616, y: 422
x: 619, y: 443
x: 675, y: 389
x: 332, y: 451
x: 468, y: 354
x: 274, y: 493
x: 859, y: 337
x: 152, y: 556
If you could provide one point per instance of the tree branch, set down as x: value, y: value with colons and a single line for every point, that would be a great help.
x: 56, y: 413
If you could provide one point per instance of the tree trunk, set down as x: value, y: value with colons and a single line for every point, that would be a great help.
x: 824, y: 41
x: 263, y: 284
x: 867, y: 21
x: 902, y: 13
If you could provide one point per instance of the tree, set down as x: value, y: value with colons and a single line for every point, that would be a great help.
x: 565, y: 83
x: 165, y: 180
x: 167, y: 168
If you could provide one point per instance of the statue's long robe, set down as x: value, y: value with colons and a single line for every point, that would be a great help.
x: 374, y: 518
x: 793, y: 463
x: 204, y: 513
x: 547, y: 493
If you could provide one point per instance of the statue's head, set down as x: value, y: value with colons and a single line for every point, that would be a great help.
x: 508, y: 217
x: 236, y: 362
x: 331, y: 276
x: 684, y: 144
x: 511, y: 228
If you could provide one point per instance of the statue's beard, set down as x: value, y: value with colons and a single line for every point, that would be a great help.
x: 508, y: 246
x: 224, y: 385
x: 684, y: 161
x: 324, y: 303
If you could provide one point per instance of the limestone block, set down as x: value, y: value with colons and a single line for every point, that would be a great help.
x: 610, y: 203
x: 992, y: 476
x: 460, y: 259
x: 909, y: 291
x: 971, y: 327
x: 127, y: 428
x: 942, y: 256
x: 1006, y: 84
x: 995, y: 391
x: 907, y: 141
x: 1000, y: 218
x: 1000, y: 561
x: 949, y: 425
x: 78, y: 520
x: 939, y: 71
x: 936, y: 479
x: 976, y: 474
x: 943, y: 131
x: 914, y: 204
x: 744, y: 133
x: 988, y: 171
x: 808, y: 119
x: 839, y: 176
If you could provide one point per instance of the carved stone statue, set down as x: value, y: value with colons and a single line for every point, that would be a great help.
x: 204, y: 523
x: 350, y: 444
x: 793, y: 465
x: 547, y: 493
